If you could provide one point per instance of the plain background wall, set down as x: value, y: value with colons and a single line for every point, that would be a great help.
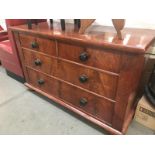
x: 140, y: 23
x: 2, y: 23
x: 148, y: 24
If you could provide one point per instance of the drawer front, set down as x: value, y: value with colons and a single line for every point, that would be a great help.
x: 95, y: 81
x: 46, y: 46
x: 91, y: 104
x: 102, y: 59
x: 40, y: 62
x: 47, y: 84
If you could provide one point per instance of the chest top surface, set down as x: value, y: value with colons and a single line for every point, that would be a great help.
x: 134, y: 40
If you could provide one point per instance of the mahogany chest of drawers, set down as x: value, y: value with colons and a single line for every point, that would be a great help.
x: 94, y: 74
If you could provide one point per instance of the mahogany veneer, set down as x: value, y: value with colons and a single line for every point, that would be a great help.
x: 40, y: 62
x: 40, y: 44
x: 93, y: 80
x: 102, y: 59
x: 95, y: 74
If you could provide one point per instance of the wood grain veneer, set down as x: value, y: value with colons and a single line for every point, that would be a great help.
x: 94, y: 74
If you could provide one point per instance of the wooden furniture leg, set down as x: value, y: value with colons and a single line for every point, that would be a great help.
x: 85, y: 23
x: 119, y: 25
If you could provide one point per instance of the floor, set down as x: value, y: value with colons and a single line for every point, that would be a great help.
x: 26, y: 112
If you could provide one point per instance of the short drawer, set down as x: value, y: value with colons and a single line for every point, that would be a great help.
x: 40, y: 62
x: 93, y: 80
x: 47, y: 84
x: 86, y: 102
x: 103, y: 59
x: 46, y: 46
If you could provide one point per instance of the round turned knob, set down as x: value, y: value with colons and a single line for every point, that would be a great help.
x: 34, y: 45
x: 41, y: 81
x: 83, y: 56
x: 83, y: 101
x: 37, y: 62
x: 83, y: 78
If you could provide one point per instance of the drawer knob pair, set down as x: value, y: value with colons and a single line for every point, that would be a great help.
x: 83, y: 56
x: 83, y: 78
x: 41, y: 82
x: 37, y: 62
x: 83, y: 101
x: 34, y: 45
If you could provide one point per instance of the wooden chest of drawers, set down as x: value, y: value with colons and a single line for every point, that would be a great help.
x: 95, y: 74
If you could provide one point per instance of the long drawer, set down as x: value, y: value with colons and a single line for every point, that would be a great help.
x: 40, y: 62
x: 43, y: 82
x: 86, y: 102
x: 44, y: 45
x: 102, y: 59
x: 91, y: 79
x: 95, y: 81
x: 89, y: 103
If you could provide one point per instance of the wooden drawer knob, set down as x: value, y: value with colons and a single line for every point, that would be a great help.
x: 37, y: 62
x: 83, y: 101
x: 41, y: 82
x: 34, y: 45
x: 83, y: 78
x: 83, y: 56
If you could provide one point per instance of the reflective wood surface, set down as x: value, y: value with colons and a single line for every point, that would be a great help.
x: 96, y: 35
x: 94, y: 74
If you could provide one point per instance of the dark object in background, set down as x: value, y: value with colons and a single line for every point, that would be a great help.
x: 36, y: 21
x: 150, y: 88
x: 62, y: 24
x: 77, y: 23
x: 51, y: 23
x: 29, y: 24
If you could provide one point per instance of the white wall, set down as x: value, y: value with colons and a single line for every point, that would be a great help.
x: 148, y: 24
x: 2, y: 23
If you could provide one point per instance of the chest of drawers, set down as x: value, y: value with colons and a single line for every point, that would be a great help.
x: 94, y: 75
